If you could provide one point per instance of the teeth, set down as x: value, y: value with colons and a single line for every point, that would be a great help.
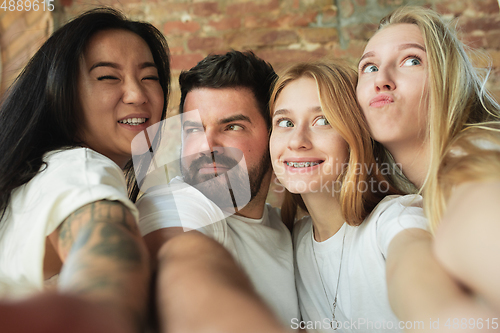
x: 133, y: 121
x: 301, y: 164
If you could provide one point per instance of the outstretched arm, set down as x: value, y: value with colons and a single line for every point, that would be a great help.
x: 105, y: 259
x: 58, y: 313
x: 420, y: 290
x: 201, y: 289
x: 467, y: 240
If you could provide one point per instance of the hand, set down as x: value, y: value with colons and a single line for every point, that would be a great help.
x: 58, y: 313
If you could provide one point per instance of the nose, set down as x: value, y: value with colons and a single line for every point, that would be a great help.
x: 384, y: 80
x: 134, y: 93
x: 212, y: 143
x: 300, y: 139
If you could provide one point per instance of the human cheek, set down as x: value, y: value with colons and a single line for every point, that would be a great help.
x: 156, y: 97
x: 248, y: 148
x: 361, y: 94
x: 363, y: 97
x: 276, y: 149
x: 186, y: 158
x: 275, y: 144
x: 189, y: 147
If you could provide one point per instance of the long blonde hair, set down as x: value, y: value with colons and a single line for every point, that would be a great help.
x: 337, y: 94
x: 460, y: 108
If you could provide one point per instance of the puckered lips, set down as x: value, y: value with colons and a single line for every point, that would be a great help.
x: 381, y: 100
x: 135, y: 121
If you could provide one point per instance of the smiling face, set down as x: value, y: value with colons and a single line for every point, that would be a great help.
x: 306, y: 151
x: 392, y: 86
x: 227, y: 127
x: 119, y: 91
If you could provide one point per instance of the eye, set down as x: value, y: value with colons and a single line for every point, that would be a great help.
x: 191, y: 130
x: 369, y: 68
x: 412, y: 61
x: 321, y: 121
x: 284, y: 123
x: 152, y: 77
x: 106, y: 77
x: 234, y: 127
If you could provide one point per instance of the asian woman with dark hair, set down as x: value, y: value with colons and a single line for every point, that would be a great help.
x: 68, y: 122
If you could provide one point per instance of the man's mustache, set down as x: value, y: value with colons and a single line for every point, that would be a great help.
x: 219, y: 161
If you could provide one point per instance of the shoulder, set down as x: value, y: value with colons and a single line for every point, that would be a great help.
x: 80, y: 161
x: 177, y: 195
x: 393, y: 206
x: 71, y: 179
x: 77, y: 155
x: 393, y: 215
x: 80, y: 168
x: 177, y: 205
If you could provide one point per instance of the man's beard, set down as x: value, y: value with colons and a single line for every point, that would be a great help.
x: 232, y: 189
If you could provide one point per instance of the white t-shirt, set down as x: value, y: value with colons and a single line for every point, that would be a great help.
x: 72, y: 179
x: 362, y: 301
x: 263, y: 247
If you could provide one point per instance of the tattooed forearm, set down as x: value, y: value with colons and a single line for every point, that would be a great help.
x: 110, y: 212
x: 115, y: 245
x: 105, y: 258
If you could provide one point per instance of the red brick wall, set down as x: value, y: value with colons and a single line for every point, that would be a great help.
x: 21, y: 34
x: 280, y: 31
x: 286, y: 31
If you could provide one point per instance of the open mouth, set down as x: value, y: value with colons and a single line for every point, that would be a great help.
x: 133, y: 121
x: 299, y: 165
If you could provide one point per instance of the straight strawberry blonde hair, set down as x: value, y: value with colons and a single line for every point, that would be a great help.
x: 337, y: 95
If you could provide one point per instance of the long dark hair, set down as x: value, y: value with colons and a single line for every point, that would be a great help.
x: 41, y: 110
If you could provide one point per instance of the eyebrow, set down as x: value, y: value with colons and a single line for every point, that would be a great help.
x: 400, y: 48
x: 366, y: 55
x: 410, y: 46
x: 316, y: 109
x: 280, y: 111
x: 115, y: 65
x: 238, y: 117
x: 190, y: 123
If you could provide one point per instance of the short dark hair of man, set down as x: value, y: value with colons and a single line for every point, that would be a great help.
x: 232, y: 70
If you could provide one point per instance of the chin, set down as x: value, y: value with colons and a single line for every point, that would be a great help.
x: 297, y: 187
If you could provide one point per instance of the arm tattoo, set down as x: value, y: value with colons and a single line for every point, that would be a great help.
x: 104, y: 257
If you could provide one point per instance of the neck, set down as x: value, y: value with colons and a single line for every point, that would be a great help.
x: 326, y: 214
x: 414, y: 161
x: 255, y: 208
